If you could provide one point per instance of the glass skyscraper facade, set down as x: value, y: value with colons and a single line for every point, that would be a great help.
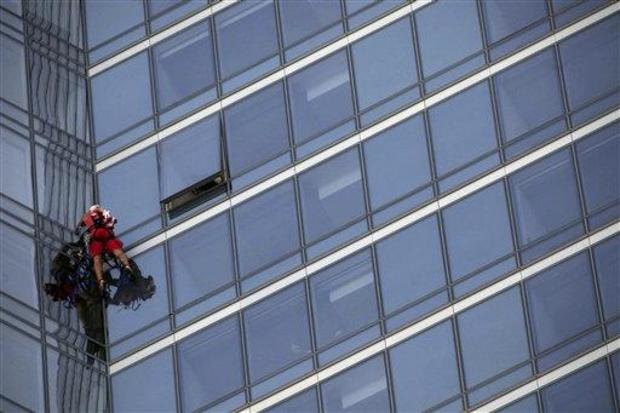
x: 346, y: 205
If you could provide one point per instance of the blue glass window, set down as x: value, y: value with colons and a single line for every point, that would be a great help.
x: 122, y: 102
x: 256, y: 130
x: 305, y: 402
x: 13, y: 73
x: 266, y: 228
x: 360, y: 389
x: 155, y: 374
x: 562, y: 304
x: 331, y: 195
x: 17, y: 267
x: 387, y: 55
x: 15, y: 167
x: 478, y: 234
x: 449, y: 34
x: 247, y: 42
x: 599, y: 164
x: 529, y: 97
x: 607, y: 259
x: 587, y: 390
x: 410, y: 265
x: 589, y: 61
x: 184, y: 67
x: 545, y: 202
x: 210, y: 364
x: 362, y: 11
x: 131, y: 202
x: 528, y: 404
x: 493, y: 340
x: 509, y: 18
x: 321, y: 102
x: 306, y: 24
x: 164, y: 12
x: 566, y: 11
x: 343, y: 298
x: 397, y: 164
x: 463, y: 133
x: 108, y: 19
x: 277, y: 332
x: 190, y: 156
x: 21, y: 376
x: 201, y: 260
x: 424, y: 370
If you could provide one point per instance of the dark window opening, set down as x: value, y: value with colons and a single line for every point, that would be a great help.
x: 190, y: 197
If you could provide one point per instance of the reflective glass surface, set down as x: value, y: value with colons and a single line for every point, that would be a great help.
x: 15, y: 167
x: 13, y: 73
x: 17, y: 267
x: 607, y: 260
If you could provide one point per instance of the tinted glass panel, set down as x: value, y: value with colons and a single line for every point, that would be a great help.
x: 184, y: 65
x: 585, y: 391
x: 210, y: 364
x: 529, y: 96
x: 121, y: 97
x: 424, y: 370
x: 360, y: 389
x: 256, y: 129
x: 463, y: 130
x: 277, y: 331
x: 156, y: 374
x: 131, y: 203
x: 589, y: 60
x: 537, y: 193
x: 106, y: 19
x: 201, y: 260
x: 306, y: 402
x: 599, y: 164
x: 493, y: 339
x: 190, y: 156
x: 331, y: 195
x: 17, y: 267
x: 410, y: 264
x: 528, y: 404
x: 13, y: 73
x: 607, y: 258
x: 320, y: 98
x: 266, y: 228
x: 343, y: 298
x: 15, y: 167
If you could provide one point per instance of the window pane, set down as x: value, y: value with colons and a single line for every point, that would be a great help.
x: 589, y: 60
x: 493, y: 339
x: 478, y: 233
x: 562, y: 303
x: 607, y: 259
x: 537, y: 191
x: 108, y: 18
x: 131, y: 203
x: 184, y: 65
x: 13, y: 73
x: 529, y: 96
x: 190, y: 156
x: 305, y: 402
x: 449, y: 32
x: 585, y: 391
x: 528, y: 404
x: 256, y: 129
x: 363, y: 11
x: 424, y: 369
x: 121, y: 97
x: 266, y: 228
x: 599, y: 164
x: 21, y: 375
x: 511, y: 18
x: 462, y: 129
x: 360, y: 389
x: 343, y: 298
x: 410, y: 264
x: 210, y: 364
x: 321, y: 98
x: 567, y: 11
x: 156, y: 375
x: 388, y: 56
x: 277, y: 331
x: 18, y: 271
x: 307, y: 24
x: 15, y: 164
x: 201, y: 260
x: 331, y: 195
x: 246, y: 36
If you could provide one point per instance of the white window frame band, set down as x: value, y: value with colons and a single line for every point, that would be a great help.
x: 379, y: 234
x: 363, y: 135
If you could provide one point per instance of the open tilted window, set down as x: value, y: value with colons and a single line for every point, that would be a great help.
x: 193, y: 167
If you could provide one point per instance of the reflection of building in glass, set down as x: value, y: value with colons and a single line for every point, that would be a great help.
x: 420, y: 207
